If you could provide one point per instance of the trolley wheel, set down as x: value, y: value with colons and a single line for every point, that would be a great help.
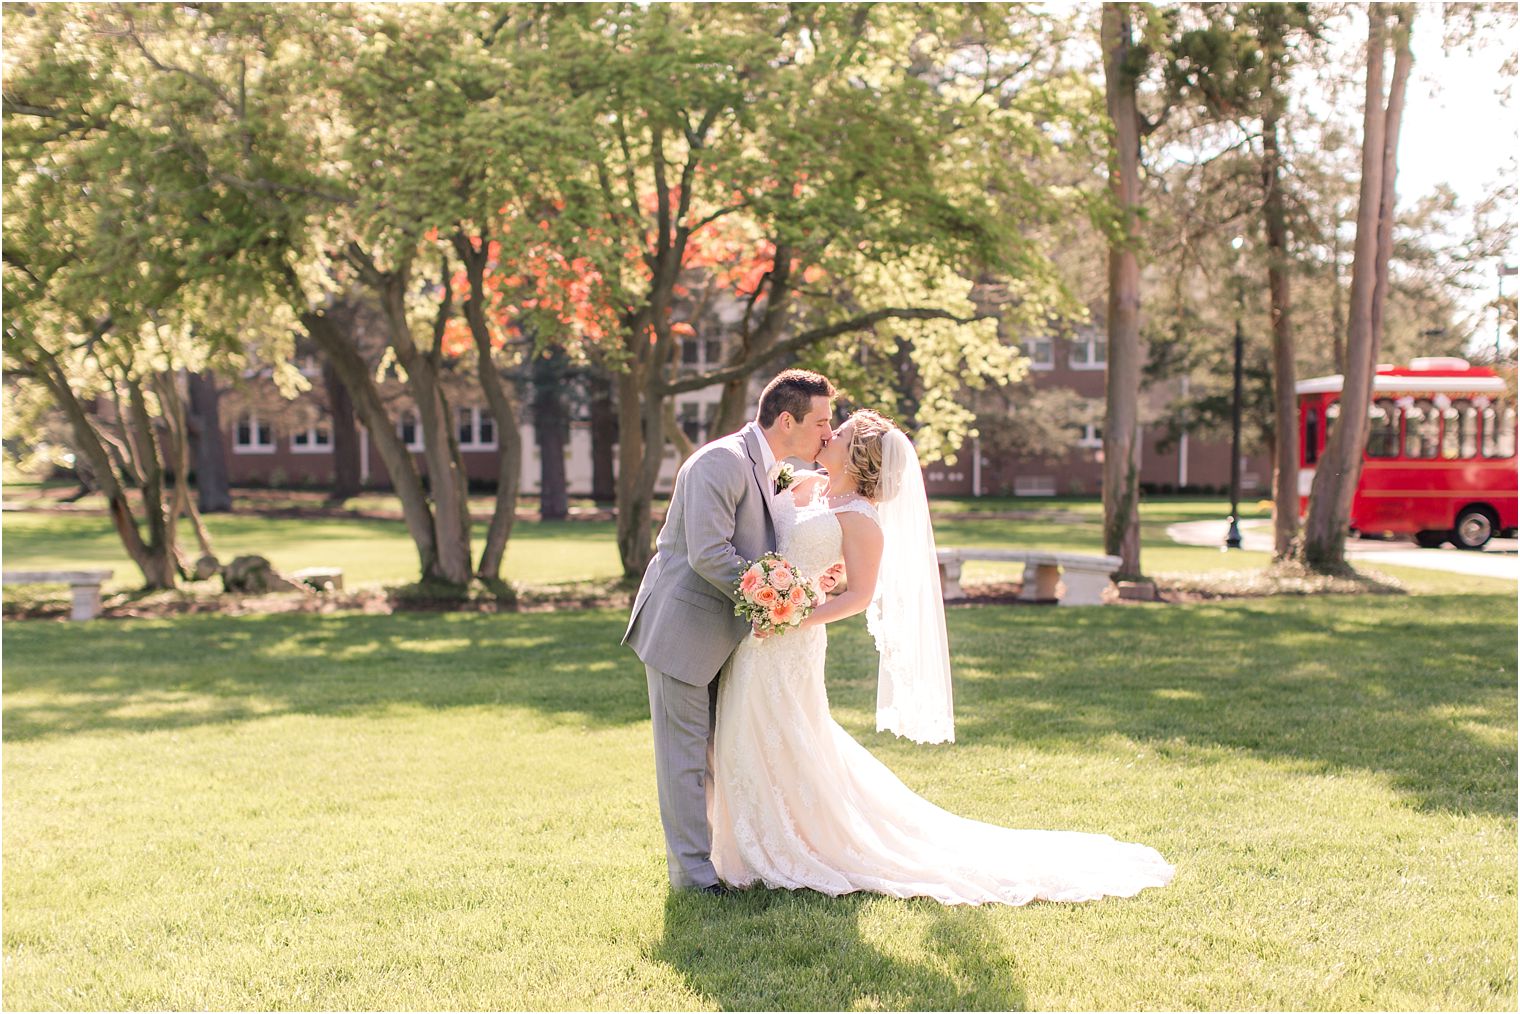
x: 1431, y: 539
x: 1474, y: 527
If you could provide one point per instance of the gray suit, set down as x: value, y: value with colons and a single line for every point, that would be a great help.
x: 683, y: 629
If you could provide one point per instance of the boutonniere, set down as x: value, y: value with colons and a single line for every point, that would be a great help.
x: 784, y: 478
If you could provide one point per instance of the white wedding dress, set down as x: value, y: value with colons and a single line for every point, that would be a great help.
x: 797, y: 803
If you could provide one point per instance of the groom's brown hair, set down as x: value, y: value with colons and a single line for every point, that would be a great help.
x: 792, y: 391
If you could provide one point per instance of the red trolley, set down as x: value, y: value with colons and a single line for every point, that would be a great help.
x: 1440, y: 458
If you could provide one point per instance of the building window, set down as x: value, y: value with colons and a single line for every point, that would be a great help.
x: 1311, y: 436
x: 252, y: 435
x: 1383, y: 433
x: 1089, y: 353
x: 312, y: 440
x: 477, y: 429
x: 701, y: 354
x: 1041, y: 353
x: 696, y: 420
x: 409, y: 429
x: 1091, y: 436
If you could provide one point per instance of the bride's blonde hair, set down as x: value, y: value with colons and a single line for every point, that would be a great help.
x: 863, y: 455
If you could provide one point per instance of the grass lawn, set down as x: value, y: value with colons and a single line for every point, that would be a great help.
x: 368, y: 551
x: 428, y: 811
x: 380, y: 552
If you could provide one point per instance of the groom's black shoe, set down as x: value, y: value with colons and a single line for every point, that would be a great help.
x: 718, y: 890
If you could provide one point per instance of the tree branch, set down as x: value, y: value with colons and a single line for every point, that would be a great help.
x: 742, y: 369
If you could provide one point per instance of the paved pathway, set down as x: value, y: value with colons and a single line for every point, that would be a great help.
x: 1498, y: 559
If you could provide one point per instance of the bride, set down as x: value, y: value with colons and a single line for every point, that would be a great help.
x: 796, y: 802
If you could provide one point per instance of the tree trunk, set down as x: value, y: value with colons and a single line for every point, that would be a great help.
x: 346, y: 481
x: 502, y: 404
x: 1121, y: 466
x: 604, y: 432
x: 550, y: 429
x: 634, y: 501
x: 355, y: 374
x: 733, y: 408
x: 177, y: 448
x: 440, y: 443
x: 1339, y: 468
x: 671, y: 427
x: 212, y: 488
x: 90, y: 443
x: 1284, y: 372
x: 162, y: 563
x: 1337, y: 299
x: 1402, y: 61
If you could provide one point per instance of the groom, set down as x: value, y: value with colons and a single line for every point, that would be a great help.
x: 683, y: 626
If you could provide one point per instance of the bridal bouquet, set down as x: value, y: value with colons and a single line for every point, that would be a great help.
x: 773, y: 596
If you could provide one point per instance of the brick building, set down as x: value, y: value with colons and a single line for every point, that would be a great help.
x: 279, y: 442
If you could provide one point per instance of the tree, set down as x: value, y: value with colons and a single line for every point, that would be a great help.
x: 123, y: 264
x: 551, y: 426
x: 1122, y: 62
x: 886, y: 135
x: 205, y: 430
x: 1339, y: 470
x: 1237, y: 66
x: 435, y: 196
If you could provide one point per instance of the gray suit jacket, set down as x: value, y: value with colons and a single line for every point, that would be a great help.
x: 683, y: 621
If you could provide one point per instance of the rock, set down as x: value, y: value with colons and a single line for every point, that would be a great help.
x: 254, y: 575
x: 1138, y: 591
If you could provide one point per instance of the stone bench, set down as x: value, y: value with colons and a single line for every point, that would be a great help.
x: 85, y: 585
x: 1085, y: 577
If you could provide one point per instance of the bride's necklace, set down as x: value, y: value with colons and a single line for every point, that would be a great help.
x: 840, y: 499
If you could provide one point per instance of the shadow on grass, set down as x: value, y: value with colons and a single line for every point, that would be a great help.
x: 1420, y: 688
x: 783, y: 950
x: 140, y: 676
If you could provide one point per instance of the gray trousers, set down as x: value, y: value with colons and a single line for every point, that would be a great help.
x: 684, y: 718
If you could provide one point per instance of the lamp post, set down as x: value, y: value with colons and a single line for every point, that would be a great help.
x: 1232, y: 537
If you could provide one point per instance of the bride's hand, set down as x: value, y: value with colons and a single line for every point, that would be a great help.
x: 760, y: 635
x: 829, y: 579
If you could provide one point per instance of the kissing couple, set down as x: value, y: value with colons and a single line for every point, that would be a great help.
x: 757, y: 783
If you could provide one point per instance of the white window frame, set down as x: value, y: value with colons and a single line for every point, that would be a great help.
x: 254, y: 424
x: 475, y: 443
x: 703, y: 361
x: 416, y: 444
x: 1088, y: 345
x: 1092, y: 436
x: 311, y: 446
x: 1048, y: 344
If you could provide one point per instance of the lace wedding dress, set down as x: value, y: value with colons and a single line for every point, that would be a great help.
x: 796, y: 802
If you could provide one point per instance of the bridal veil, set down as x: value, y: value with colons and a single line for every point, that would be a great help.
x: 907, y: 611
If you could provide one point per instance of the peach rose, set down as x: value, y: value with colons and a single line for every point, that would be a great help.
x: 781, y: 578
x: 798, y: 595
x: 749, y: 582
x: 767, y: 597
x: 782, y: 613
